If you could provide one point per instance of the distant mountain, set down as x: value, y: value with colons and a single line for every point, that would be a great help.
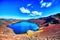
x: 45, y: 21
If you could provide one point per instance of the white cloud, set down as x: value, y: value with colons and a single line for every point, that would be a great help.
x: 49, y: 4
x: 34, y: 13
x: 28, y: 5
x: 41, y: 1
x: 24, y: 10
x: 43, y: 4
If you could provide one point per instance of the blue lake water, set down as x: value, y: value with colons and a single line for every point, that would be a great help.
x: 23, y: 27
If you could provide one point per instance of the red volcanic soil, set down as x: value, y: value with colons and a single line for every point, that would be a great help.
x: 51, y: 31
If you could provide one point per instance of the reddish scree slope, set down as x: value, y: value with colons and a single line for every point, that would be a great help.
x: 51, y: 31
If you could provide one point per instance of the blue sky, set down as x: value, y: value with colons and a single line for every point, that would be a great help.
x: 28, y: 9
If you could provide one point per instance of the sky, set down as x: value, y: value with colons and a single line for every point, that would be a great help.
x: 28, y: 9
